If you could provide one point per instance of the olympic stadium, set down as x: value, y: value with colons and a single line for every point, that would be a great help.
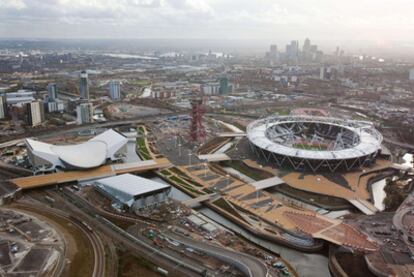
x: 310, y: 143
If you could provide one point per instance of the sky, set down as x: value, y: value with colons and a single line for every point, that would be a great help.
x: 376, y: 21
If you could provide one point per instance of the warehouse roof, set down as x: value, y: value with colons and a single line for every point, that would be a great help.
x: 126, y: 187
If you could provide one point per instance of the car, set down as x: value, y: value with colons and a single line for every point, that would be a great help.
x: 279, y: 265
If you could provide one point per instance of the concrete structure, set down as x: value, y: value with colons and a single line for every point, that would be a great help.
x: 35, y: 113
x: 115, y: 90
x: 52, y: 92
x: 3, y: 106
x: 214, y: 157
x: 315, y: 143
x: 44, y: 157
x: 133, y: 191
x: 83, y: 85
x: 84, y: 113
x: 267, y: 183
x: 64, y: 177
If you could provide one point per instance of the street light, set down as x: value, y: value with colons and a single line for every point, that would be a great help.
x: 189, y: 157
x: 205, y: 168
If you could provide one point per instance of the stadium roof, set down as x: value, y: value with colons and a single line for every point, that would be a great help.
x: 127, y: 187
x: 370, y: 139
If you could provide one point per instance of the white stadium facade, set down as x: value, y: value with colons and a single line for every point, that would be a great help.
x: 107, y: 146
x: 309, y: 143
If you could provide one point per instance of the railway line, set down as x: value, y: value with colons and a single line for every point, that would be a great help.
x: 96, y: 243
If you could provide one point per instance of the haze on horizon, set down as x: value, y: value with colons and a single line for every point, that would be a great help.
x: 376, y: 22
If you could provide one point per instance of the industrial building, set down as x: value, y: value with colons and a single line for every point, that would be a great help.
x: 44, y: 157
x: 133, y: 192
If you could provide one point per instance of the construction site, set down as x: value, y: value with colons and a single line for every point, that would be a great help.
x: 210, y: 187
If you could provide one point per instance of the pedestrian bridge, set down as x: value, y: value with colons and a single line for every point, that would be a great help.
x: 231, y: 135
x: 203, y: 198
x: 91, y: 174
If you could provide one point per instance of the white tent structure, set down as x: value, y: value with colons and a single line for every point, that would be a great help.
x: 110, y: 145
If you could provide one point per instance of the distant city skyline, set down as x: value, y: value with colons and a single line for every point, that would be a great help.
x: 377, y: 22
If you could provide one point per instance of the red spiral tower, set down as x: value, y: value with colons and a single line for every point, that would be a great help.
x: 197, y: 130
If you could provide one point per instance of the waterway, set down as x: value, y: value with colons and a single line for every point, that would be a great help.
x: 132, y: 155
x: 130, y: 56
x: 308, y: 265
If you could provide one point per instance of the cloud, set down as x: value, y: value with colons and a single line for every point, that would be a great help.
x: 322, y: 19
x: 12, y: 4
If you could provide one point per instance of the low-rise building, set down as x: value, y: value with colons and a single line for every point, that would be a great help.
x: 133, y: 192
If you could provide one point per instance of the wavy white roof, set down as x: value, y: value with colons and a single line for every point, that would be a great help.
x: 84, y: 155
x: 90, y: 154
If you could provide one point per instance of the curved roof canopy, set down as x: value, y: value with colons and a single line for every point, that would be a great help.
x: 93, y: 153
x: 84, y: 155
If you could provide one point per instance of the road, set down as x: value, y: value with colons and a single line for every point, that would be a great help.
x: 400, y: 144
x: 149, y: 251
x: 247, y: 264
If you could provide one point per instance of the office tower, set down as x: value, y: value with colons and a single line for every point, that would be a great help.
x: 52, y: 92
x: 307, y: 45
x: 273, y: 48
x: 115, y: 90
x: 84, y: 113
x: 292, y: 50
x: 322, y: 73
x: 35, y: 113
x: 411, y: 77
x: 83, y: 85
x: 224, y: 85
x: 3, y: 106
